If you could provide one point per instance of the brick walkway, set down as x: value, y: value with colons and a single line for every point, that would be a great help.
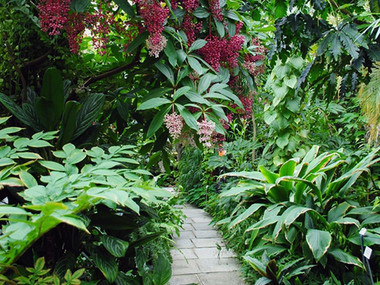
x: 199, y: 256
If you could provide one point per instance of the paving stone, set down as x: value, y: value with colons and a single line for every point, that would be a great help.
x: 180, y: 267
x: 201, y: 220
x: 213, y: 252
x: 185, y: 279
x: 185, y: 253
x: 188, y: 227
x: 183, y: 243
x: 207, y: 242
x: 186, y: 234
x: 206, y: 234
x: 217, y: 264
x: 221, y: 278
x: 197, y: 259
x: 202, y: 226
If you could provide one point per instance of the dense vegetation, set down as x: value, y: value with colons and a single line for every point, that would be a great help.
x: 266, y: 113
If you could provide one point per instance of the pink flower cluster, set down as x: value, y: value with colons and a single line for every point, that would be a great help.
x: 224, y: 51
x: 206, y: 129
x: 190, y: 5
x: 211, y: 52
x: 154, y: 14
x: 215, y: 9
x: 250, y: 59
x: 174, y: 124
x: 191, y: 28
x: 75, y: 27
x: 250, y: 64
x: 53, y: 15
x: 231, y: 50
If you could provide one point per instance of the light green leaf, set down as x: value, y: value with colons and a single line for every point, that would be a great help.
x: 291, y: 81
x: 319, y: 242
x: 52, y: 165
x: 246, y: 214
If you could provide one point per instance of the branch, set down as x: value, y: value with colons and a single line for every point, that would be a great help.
x: 113, y: 71
x: 36, y: 60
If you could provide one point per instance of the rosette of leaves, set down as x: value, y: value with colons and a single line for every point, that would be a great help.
x: 303, y: 211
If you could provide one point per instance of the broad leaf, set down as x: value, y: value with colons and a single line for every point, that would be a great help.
x: 319, y: 242
x: 115, y: 246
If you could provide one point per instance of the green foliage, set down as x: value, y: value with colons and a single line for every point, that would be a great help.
x: 94, y: 201
x: 39, y: 275
x: 369, y: 96
x: 51, y: 110
x: 302, y: 211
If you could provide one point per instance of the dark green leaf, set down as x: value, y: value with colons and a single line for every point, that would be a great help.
x: 126, y: 7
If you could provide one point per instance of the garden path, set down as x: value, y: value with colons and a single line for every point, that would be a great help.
x: 199, y: 255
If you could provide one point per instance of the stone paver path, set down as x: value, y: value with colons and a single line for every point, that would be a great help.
x: 199, y: 256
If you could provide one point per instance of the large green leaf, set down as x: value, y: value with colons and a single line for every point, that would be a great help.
x: 162, y: 270
x: 166, y: 70
x: 126, y: 7
x: 91, y: 107
x: 270, y: 176
x: 319, y: 242
x: 115, y: 246
x: 157, y: 121
x: 246, y: 214
x: 69, y: 122
x: 188, y: 117
x: 293, y: 213
x: 345, y: 257
x: 106, y: 264
x: 50, y: 104
x: 19, y: 113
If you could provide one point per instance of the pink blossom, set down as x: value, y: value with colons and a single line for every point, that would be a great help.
x: 206, y: 129
x: 53, y: 15
x: 174, y: 124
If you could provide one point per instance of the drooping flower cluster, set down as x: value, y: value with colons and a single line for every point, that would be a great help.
x: 154, y: 14
x: 190, y: 5
x: 230, y: 52
x: 215, y: 9
x: 100, y: 24
x: 191, y: 28
x: 75, y: 27
x: 206, y: 129
x: 251, y: 61
x: 247, y: 102
x: 174, y: 124
x: 250, y: 64
x: 223, y: 51
x: 211, y: 52
x: 53, y: 15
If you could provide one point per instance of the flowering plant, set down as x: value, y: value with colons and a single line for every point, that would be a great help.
x: 201, y: 50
